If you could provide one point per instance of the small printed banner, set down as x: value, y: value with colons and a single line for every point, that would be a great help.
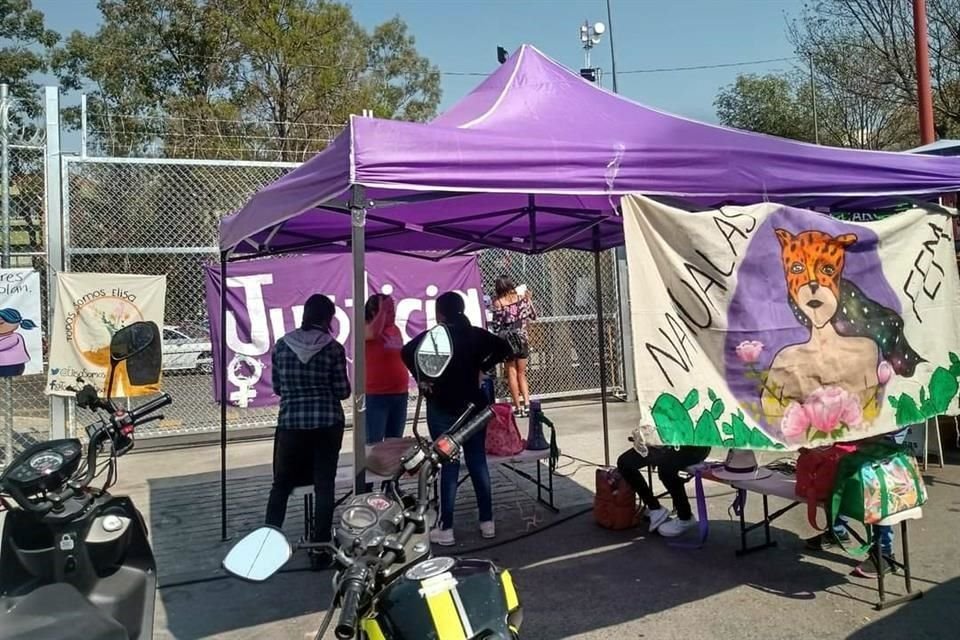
x: 90, y: 308
x: 21, y: 336
x: 265, y: 300
x: 769, y: 327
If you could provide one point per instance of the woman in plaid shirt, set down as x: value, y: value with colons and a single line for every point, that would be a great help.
x: 310, y: 376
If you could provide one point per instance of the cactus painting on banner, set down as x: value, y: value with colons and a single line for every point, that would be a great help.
x: 772, y: 327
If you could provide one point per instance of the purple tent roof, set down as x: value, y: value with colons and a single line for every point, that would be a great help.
x: 535, y: 158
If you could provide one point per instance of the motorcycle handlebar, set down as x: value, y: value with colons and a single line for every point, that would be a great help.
x: 471, y: 427
x: 355, y: 583
x: 147, y: 408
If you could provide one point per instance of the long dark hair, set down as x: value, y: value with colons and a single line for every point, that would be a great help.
x: 858, y: 316
x: 503, y: 286
x: 372, y: 308
x: 318, y: 313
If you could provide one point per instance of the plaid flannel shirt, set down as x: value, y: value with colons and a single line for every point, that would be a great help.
x: 311, y: 393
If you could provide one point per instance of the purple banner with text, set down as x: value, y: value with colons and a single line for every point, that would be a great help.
x: 265, y: 301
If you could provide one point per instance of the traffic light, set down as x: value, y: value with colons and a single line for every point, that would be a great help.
x: 501, y: 54
x: 589, y: 74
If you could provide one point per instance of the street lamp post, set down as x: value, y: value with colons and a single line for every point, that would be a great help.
x: 589, y: 37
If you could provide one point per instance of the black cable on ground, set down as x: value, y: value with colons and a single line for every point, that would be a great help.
x: 493, y: 545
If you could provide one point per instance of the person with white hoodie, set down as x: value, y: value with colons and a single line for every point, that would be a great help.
x: 310, y: 376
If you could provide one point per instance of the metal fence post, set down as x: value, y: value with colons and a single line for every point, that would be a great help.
x: 54, y: 186
x: 626, y: 326
x: 5, y: 213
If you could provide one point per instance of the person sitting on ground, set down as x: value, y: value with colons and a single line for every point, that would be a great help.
x: 669, y: 461
x: 310, y: 376
x: 474, y: 351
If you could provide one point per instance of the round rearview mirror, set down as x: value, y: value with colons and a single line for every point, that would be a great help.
x: 138, y: 345
x: 258, y: 555
x: 132, y: 339
x: 435, y: 352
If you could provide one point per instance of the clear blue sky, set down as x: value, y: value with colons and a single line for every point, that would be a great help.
x: 462, y: 36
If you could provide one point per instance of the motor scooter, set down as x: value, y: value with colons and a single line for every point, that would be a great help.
x: 388, y: 585
x: 75, y: 561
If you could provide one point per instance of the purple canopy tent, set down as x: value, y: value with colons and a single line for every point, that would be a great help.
x: 535, y: 159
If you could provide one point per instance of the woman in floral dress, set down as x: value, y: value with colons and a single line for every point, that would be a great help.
x: 512, y: 313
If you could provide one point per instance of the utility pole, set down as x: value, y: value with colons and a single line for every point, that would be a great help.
x: 924, y: 95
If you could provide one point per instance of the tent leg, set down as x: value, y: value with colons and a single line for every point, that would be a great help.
x: 222, y: 369
x: 601, y: 346
x: 358, y: 215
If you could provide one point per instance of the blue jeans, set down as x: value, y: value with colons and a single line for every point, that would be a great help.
x: 475, y: 456
x: 386, y: 416
x: 885, y: 534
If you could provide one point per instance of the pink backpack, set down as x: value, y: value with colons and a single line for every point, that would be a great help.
x: 503, y: 436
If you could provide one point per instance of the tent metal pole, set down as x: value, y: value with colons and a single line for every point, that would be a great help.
x: 532, y: 212
x: 358, y: 215
x: 222, y: 369
x: 601, y: 346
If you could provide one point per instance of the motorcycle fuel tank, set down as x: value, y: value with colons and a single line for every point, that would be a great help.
x: 447, y: 599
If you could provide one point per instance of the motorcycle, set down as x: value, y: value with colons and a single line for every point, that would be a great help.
x: 75, y: 561
x: 388, y: 585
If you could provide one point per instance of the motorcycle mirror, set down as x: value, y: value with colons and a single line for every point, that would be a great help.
x: 138, y: 345
x: 435, y: 352
x: 258, y: 555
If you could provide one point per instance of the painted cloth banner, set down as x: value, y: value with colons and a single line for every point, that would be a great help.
x: 90, y: 308
x: 768, y: 327
x: 21, y: 336
x: 265, y: 301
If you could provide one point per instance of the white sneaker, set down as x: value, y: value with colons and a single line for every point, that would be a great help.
x: 488, y: 530
x: 676, y: 527
x: 657, y: 518
x: 442, y: 537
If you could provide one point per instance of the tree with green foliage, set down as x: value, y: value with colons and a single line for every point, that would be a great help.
x: 26, y: 41
x: 766, y: 104
x: 240, y: 78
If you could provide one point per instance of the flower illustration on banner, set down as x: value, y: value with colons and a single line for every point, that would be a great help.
x: 795, y: 423
x: 749, y: 351
x: 825, y: 413
x: 885, y: 372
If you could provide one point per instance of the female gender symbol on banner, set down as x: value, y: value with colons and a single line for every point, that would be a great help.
x: 246, y: 385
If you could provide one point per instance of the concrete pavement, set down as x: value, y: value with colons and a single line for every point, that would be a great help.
x: 575, y: 579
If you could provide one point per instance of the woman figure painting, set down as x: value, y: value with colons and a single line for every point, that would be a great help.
x: 851, y: 336
x: 512, y: 313
x: 310, y: 376
x: 387, y: 378
x: 13, y: 350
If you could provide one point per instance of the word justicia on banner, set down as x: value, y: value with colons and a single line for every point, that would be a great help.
x: 265, y: 301
x: 770, y: 327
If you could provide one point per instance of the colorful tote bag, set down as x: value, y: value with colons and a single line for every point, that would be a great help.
x: 879, y: 480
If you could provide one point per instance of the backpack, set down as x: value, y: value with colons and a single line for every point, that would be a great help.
x: 880, y: 480
x: 816, y: 473
x: 503, y: 435
x: 615, y: 504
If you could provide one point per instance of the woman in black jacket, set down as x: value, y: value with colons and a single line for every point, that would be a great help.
x: 474, y: 351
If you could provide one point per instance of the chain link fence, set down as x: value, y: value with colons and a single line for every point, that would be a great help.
x: 24, y: 409
x: 161, y: 216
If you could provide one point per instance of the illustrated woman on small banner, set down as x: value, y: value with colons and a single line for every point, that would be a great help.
x: 21, y: 344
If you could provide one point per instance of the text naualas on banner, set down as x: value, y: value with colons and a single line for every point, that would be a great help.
x: 769, y: 327
x: 265, y: 300
x: 90, y: 308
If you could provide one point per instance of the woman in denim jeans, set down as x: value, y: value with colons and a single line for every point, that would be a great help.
x: 449, y: 396
x: 387, y: 378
